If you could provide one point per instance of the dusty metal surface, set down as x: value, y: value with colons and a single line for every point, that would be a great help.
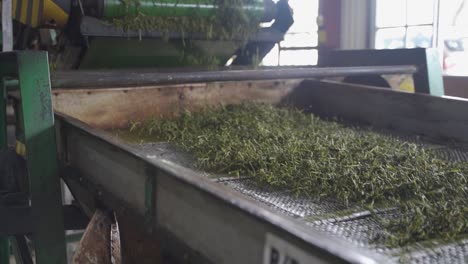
x: 407, y: 113
x: 94, y: 246
x: 115, y: 108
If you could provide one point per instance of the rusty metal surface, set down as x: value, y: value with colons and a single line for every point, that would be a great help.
x: 115, y: 108
x: 138, y: 247
x: 94, y: 246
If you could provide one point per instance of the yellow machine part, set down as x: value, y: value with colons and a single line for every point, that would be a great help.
x: 20, y: 149
x: 38, y: 12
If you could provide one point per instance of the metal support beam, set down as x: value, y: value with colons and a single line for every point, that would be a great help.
x: 44, y: 181
x: 93, y: 79
x: 32, y: 71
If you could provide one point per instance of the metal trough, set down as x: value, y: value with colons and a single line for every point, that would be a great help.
x: 224, y: 220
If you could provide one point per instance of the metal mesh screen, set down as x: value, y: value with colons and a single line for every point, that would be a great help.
x: 352, y: 223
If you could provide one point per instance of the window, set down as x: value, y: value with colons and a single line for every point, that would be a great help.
x: 405, y: 23
x: 425, y: 23
x: 299, y: 46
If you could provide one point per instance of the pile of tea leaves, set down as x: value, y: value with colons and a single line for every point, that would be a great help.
x: 230, y: 21
x: 287, y: 149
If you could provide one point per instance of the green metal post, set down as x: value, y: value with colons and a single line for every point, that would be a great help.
x: 36, y: 114
x: 44, y: 181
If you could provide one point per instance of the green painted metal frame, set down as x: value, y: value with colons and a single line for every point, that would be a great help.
x: 31, y: 69
x: 106, y: 53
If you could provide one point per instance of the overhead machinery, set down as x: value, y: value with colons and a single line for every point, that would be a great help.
x: 88, y: 34
x: 163, y: 210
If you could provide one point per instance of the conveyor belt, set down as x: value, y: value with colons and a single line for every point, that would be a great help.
x: 353, y: 224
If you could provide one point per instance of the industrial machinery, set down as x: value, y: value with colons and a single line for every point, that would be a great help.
x: 88, y: 34
x: 145, y: 206
x: 139, y: 204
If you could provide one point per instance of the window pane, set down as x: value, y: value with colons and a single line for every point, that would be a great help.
x: 390, y: 13
x: 271, y: 59
x: 390, y: 38
x: 305, y: 13
x: 453, y: 13
x: 419, y: 37
x: 420, y: 12
x: 300, y: 40
x: 298, y: 57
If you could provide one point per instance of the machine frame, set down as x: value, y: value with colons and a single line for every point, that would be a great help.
x: 158, y: 195
x: 161, y: 194
x: 35, y: 116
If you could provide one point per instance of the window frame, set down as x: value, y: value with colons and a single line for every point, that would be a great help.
x: 373, y: 28
x: 281, y: 48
